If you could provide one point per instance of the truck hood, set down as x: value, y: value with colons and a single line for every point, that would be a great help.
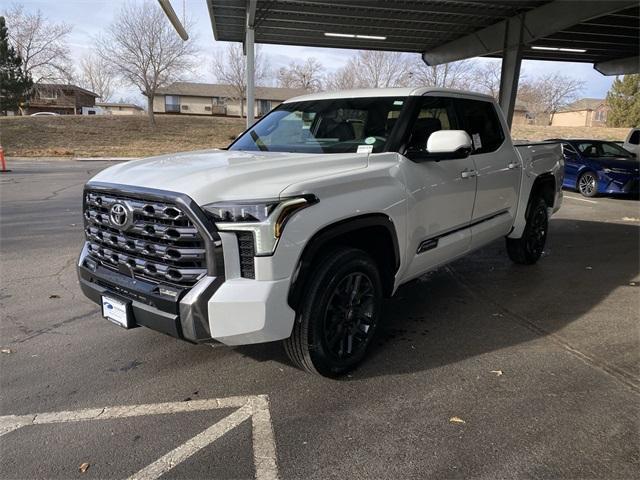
x: 213, y: 175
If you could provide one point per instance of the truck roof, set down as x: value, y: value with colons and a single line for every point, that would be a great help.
x: 388, y: 92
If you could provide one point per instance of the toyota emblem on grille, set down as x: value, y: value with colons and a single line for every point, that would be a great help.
x: 119, y: 215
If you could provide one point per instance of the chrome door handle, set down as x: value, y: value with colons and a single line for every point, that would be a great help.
x: 468, y: 174
x: 512, y: 166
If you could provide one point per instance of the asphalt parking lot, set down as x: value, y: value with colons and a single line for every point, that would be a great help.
x: 539, y: 365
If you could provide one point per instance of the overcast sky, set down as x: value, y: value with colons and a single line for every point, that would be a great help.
x: 88, y: 18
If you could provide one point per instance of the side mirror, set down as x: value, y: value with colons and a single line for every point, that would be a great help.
x: 449, y: 141
x: 444, y: 145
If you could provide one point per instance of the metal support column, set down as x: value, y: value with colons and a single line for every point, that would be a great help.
x: 249, y: 45
x: 511, y: 62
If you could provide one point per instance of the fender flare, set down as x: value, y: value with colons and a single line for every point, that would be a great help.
x: 324, y: 236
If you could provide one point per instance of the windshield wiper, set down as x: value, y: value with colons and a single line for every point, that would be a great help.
x: 259, y: 143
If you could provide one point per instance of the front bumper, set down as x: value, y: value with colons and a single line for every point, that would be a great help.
x: 234, y: 311
x: 182, y: 314
x: 618, y: 183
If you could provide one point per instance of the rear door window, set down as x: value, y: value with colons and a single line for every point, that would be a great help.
x: 480, y: 120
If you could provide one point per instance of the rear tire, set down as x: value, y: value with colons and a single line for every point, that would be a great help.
x: 527, y: 249
x: 588, y: 184
x: 338, y: 317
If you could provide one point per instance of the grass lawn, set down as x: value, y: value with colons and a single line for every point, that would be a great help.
x: 537, y: 132
x: 123, y: 136
x: 113, y: 136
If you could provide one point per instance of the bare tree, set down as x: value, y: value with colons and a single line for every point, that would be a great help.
x: 458, y: 75
x: 545, y: 95
x: 229, y: 67
x: 142, y: 48
x: 487, y: 78
x: 97, y: 76
x: 42, y: 44
x: 344, y: 78
x: 307, y: 75
x: 372, y: 69
x: 377, y: 69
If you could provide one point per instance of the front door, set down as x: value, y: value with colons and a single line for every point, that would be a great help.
x: 572, y: 164
x: 498, y: 170
x: 440, y: 193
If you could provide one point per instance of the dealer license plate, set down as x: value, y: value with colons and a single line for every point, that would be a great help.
x: 115, y: 311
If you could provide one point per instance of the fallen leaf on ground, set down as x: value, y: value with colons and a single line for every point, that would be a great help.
x: 6, y: 350
x: 83, y: 468
x: 633, y: 284
x: 499, y: 373
x: 588, y: 268
x: 456, y: 420
x: 54, y: 296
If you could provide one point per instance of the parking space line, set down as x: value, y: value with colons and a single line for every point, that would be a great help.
x: 193, y: 446
x: 579, y: 199
x: 255, y: 407
x: 264, y: 447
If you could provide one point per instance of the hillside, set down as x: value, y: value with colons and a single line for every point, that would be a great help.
x: 111, y: 136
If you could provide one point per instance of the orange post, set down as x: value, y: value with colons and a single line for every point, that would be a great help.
x: 3, y: 162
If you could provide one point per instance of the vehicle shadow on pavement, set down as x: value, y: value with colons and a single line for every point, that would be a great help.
x: 484, y: 303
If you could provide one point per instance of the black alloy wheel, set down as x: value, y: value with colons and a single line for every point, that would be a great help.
x: 337, y: 319
x: 528, y: 249
x: 349, y: 316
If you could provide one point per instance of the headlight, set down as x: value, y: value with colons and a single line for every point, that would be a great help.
x: 265, y: 219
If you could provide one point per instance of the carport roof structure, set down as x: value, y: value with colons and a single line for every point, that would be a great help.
x: 573, y: 31
x: 603, y: 32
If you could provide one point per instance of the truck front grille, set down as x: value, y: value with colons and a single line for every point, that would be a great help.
x: 157, y: 241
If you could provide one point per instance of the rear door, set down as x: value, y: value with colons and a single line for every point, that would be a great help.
x: 498, y: 170
x: 440, y: 193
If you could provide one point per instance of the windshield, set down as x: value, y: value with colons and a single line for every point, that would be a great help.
x: 344, y: 125
x: 602, y: 150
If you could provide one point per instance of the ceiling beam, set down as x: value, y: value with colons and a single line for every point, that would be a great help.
x: 619, y: 66
x: 540, y: 22
x: 173, y: 18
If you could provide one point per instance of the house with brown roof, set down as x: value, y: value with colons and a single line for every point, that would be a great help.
x: 586, y: 112
x: 59, y: 98
x: 113, y: 108
x: 522, y: 115
x: 216, y: 99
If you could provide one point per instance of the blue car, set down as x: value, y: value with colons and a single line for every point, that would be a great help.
x: 597, y: 167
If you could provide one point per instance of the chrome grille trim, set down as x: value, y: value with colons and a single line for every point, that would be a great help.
x: 167, y: 242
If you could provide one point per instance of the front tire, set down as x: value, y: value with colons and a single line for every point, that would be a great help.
x: 339, y: 314
x: 588, y: 184
x: 527, y: 249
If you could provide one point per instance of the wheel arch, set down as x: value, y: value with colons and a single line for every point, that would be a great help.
x: 374, y: 233
x: 543, y: 186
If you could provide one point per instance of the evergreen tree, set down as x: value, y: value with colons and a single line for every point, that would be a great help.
x: 14, y: 83
x: 624, y: 102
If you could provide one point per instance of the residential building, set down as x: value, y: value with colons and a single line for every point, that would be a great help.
x: 59, y: 98
x: 586, y: 112
x: 522, y: 115
x: 110, y: 108
x: 216, y: 99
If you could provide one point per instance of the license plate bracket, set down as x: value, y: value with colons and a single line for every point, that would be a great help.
x: 117, y: 311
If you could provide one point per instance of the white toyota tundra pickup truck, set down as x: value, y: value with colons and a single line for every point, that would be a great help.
x: 300, y: 228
